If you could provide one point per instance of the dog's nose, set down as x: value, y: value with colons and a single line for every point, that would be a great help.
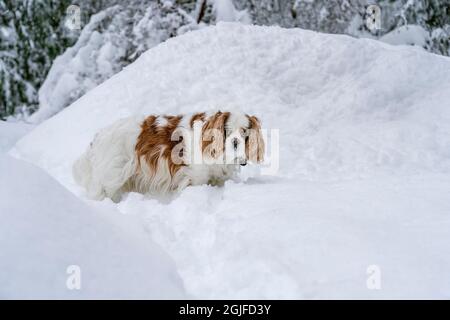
x: 244, y: 163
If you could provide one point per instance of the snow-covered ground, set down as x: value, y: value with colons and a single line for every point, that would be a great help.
x: 364, y: 175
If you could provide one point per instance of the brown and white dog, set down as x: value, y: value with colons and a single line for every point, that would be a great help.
x: 162, y: 154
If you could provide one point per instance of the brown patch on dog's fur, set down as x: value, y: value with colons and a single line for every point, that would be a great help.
x: 210, y: 145
x: 198, y: 116
x: 155, y: 141
x: 254, y: 143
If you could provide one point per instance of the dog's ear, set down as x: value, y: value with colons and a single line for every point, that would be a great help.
x: 254, y: 144
x: 214, y: 135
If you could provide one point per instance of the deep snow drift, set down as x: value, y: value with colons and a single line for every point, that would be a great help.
x: 364, y: 163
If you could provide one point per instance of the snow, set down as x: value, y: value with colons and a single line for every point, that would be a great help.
x: 407, y: 35
x: 45, y: 230
x: 11, y: 132
x: 298, y: 239
x: 226, y: 12
x: 72, y: 73
x: 364, y: 163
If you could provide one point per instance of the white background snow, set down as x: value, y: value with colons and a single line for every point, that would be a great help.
x: 364, y: 177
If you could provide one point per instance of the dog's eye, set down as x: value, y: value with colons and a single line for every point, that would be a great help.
x: 235, y: 143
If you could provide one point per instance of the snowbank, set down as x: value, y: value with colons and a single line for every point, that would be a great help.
x: 364, y: 162
x: 45, y: 231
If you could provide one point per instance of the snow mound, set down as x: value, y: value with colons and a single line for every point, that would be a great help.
x: 46, y: 232
x: 364, y: 162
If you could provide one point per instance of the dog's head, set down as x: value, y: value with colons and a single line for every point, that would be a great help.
x: 232, y: 138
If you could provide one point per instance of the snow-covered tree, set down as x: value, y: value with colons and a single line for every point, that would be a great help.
x: 330, y: 16
x: 348, y: 16
x: 112, y: 39
x: 432, y: 15
x: 32, y: 35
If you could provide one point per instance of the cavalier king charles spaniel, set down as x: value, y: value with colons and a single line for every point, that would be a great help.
x: 159, y: 155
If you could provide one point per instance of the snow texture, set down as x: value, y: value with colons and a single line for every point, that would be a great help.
x: 364, y: 163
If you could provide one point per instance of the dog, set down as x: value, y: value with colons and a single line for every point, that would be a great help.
x: 161, y: 155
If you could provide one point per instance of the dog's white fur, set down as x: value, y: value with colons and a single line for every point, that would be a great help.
x: 110, y: 166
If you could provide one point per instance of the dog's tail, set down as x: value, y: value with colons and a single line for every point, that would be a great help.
x: 82, y: 170
x: 83, y: 174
